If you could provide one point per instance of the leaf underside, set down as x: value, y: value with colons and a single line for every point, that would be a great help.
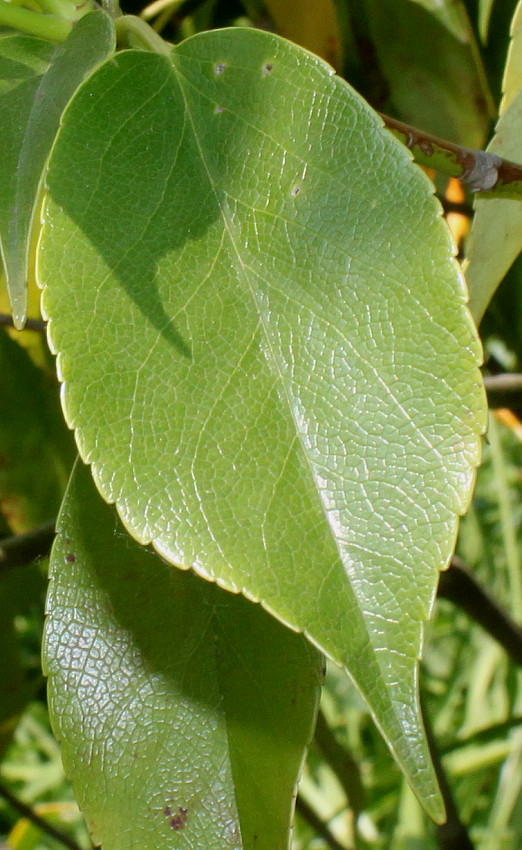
x: 184, y: 711
x: 264, y: 346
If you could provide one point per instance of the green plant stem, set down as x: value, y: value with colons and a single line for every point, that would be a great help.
x: 451, y: 835
x: 41, y: 823
x: 134, y: 32
x: 49, y: 27
x: 340, y: 760
x: 21, y: 549
x: 459, y: 586
x: 66, y: 9
x: 30, y: 324
x: 482, y: 171
x: 308, y: 814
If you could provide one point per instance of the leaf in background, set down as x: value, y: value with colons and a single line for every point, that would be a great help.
x: 485, y: 7
x: 495, y: 238
x: 36, y: 81
x: 313, y: 24
x: 435, y: 80
x: 512, y: 80
x: 451, y: 13
x: 172, y: 698
x: 232, y: 285
x: 35, y: 446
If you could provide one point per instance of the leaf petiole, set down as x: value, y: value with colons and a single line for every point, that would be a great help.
x: 133, y: 32
x: 49, y: 27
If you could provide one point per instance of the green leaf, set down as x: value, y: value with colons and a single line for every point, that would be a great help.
x: 436, y: 80
x: 173, y: 698
x: 495, y: 239
x: 36, y: 82
x: 485, y: 8
x: 512, y: 81
x: 451, y: 13
x: 232, y: 285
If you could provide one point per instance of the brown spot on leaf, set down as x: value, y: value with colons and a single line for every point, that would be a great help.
x: 178, y: 820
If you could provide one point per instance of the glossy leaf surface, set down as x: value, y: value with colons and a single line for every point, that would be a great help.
x: 232, y: 285
x: 36, y: 81
x: 184, y: 711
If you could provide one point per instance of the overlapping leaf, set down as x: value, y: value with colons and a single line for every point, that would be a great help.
x: 184, y: 710
x: 264, y: 346
x: 36, y: 81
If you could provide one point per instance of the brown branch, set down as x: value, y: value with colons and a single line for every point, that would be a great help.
x: 318, y: 825
x: 504, y: 390
x: 482, y: 171
x: 341, y: 761
x: 21, y: 549
x: 459, y: 586
x: 26, y: 812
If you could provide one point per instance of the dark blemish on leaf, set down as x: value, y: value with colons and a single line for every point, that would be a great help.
x: 179, y: 820
x: 218, y: 110
x: 295, y: 191
x: 70, y: 558
x: 426, y: 148
x: 267, y: 69
x: 219, y: 68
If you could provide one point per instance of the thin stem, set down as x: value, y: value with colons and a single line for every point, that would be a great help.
x: 30, y: 324
x: 21, y: 549
x: 48, y: 27
x: 482, y: 171
x: 341, y: 761
x: 134, y: 32
x: 459, y: 586
x: 318, y: 825
x: 41, y: 823
x: 504, y: 390
x: 451, y: 835
x: 159, y: 6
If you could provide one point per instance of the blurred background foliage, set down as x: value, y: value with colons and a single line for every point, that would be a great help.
x: 437, y: 65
